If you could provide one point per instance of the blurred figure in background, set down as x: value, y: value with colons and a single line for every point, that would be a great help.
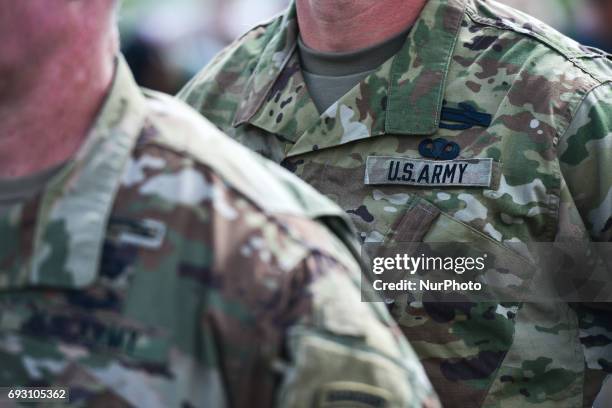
x: 150, y: 67
x: 595, y: 24
x: 587, y: 21
x: 166, y: 42
x: 553, y: 12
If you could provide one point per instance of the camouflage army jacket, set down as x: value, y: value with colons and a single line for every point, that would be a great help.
x: 168, y: 266
x: 519, y: 100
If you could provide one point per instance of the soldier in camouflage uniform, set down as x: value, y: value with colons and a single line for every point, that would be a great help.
x: 165, y: 265
x: 531, y: 110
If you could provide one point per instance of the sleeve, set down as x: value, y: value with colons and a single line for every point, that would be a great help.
x: 347, y: 352
x: 585, y: 153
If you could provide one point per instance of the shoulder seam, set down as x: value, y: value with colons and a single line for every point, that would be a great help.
x: 574, y: 58
x: 277, y: 216
x: 179, y: 145
x: 229, y: 183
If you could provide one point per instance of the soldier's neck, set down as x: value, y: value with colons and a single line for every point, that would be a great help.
x: 47, y: 109
x: 349, y: 25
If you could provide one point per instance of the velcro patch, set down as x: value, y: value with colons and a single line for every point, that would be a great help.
x: 145, y: 233
x: 344, y: 394
x: 429, y: 173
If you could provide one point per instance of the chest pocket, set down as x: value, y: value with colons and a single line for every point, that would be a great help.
x: 456, y: 341
x: 424, y: 222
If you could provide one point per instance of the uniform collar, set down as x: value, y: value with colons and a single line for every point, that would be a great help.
x: 417, y: 78
x: 70, y: 226
x: 273, y: 60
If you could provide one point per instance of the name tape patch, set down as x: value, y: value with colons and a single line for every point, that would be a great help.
x: 429, y: 173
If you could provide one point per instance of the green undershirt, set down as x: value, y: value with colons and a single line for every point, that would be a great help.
x: 330, y: 75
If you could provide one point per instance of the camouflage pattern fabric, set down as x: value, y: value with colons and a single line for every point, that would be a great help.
x: 503, y: 87
x: 168, y: 266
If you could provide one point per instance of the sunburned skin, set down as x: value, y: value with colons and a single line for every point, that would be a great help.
x: 47, y: 107
x: 350, y: 25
